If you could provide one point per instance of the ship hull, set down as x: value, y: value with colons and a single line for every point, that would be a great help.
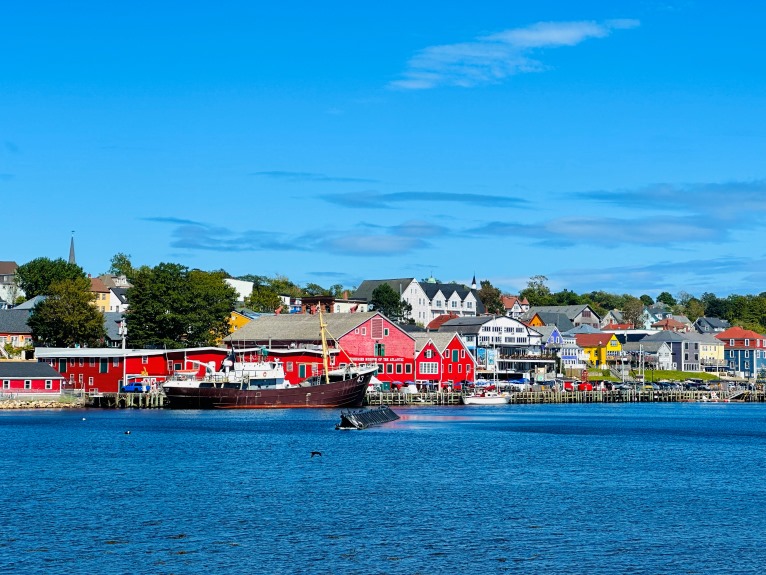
x: 345, y: 393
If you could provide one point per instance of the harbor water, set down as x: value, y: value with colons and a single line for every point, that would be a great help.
x: 586, y: 488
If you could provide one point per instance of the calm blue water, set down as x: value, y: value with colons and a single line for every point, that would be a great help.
x: 648, y: 488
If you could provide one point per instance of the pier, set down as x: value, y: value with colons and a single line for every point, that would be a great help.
x: 153, y: 399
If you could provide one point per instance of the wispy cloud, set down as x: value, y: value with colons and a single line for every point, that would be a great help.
x: 311, y: 177
x: 726, y: 200
x: 172, y: 220
x: 491, y: 58
x: 378, y: 200
x: 607, y: 232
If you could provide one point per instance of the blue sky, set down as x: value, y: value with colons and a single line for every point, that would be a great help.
x: 607, y: 146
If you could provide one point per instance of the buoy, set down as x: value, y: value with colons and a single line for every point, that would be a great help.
x: 127, y: 433
x: 83, y: 419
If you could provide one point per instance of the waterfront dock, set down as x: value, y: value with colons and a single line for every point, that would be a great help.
x: 153, y: 399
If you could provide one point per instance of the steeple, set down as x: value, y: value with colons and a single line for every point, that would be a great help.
x: 473, y: 282
x: 71, y: 250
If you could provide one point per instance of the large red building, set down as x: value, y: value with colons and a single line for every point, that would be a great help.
x: 368, y: 337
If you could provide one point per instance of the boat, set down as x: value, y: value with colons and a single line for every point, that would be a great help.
x: 485, y: 398
x: 262, y: 385
x: 366, y: 418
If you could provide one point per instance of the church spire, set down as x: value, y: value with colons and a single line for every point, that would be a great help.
x: 71, y: 250
x: 473, y: 282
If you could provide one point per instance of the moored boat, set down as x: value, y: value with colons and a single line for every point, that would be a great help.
x: 263, y: 385
x: 485, y: 398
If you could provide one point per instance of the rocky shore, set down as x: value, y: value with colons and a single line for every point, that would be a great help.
x: 42, y: 403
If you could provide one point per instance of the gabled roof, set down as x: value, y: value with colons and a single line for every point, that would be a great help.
x: 713, y: 322
x: 365, y: 289
x: 440, y: 339
x: 112, y: 321
x: 665, y: 335
x: 670, y: 324
x: 708, y: 338
x: 546, y: 331
x: 571, y: 311
x: 439, y: 320
x: 121, y: 293
x: 646, y: 346
x: 585, y: 328
x: 14, y: 321
x: 30, y: 369
x: 737, y: 332
x: 30, y: 303
x: 593, y: 339
x: 301, y: 327
x: 560, y: 320
x: 97, y: 286
x: 7, y: 268
x: 511, y: 300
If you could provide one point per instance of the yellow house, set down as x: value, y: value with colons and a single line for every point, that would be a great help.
x: 237, y: 320
x: 602, y: 348
x: 711, y: 350
x: 535, y: 321
x: 101, y: 292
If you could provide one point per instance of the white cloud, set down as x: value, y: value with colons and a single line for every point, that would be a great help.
x: 494, y: 57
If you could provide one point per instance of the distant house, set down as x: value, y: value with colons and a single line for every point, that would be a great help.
x: 685, y: 351
x: 515, y: 307
x: 9, y: 291
x: 102, y: 293
x: 649, y: 354
x: 654, y: 313
x: 429, y: 299
x: 29, y: 377
x: 711, y: 325
x: 671, y: 324
x: 601, y: 348
x: 711, y: 349
x: 612, y: 317
x: 14, y: 330
x: 744, y: 351
x: 577, y: 314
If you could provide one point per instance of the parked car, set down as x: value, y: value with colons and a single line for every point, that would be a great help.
x: 136, y: 386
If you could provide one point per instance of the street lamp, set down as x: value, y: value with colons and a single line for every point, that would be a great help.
x: 123, y: 331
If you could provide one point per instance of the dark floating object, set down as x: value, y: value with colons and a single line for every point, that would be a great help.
x: 313, y: 453
x: 366, y: 418
x: 127, y: 433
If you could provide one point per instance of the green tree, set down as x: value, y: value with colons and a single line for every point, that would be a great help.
x: 173, y: 307
x: 491, y: 298
x: 120, y: 265
x: 632, y: 310
x: 36, y: 277
x: 646, y: 299
x: 388, y: 302
x: 666, y: 298
x: 314, y: 289
x: 536, y: 292
x: 694, y: 309
x: 67, y: 316
x: 263, y: 299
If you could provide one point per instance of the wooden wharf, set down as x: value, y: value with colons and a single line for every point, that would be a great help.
x: 156, y: 399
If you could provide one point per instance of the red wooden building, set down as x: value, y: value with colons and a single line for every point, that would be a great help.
x: 29, y: 377
x: 367, y: 337
x: 103, y: 369
x: 443, y: 358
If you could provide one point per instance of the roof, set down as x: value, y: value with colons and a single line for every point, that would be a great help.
x: 571, y: 311
x: 646, y: 346
x: 7, y: 268
x: 14, y: 321
x: 441, y: 339
x: 670, y: 323
x: 30, y: 303
x: 593, y: 339
x: 546, y: 331
x: 666, y: 335
x: 510, y: 300
x: 96, y: 285
x: 713, y: 322
x: 560, y: 320
x: 439, y: 320
x: 365, y: 289
x: 300, y: 327
x: 585, y: 328
x: 737, y: 332
x: 112, y: 321
x: 470, y: 324
x: 75, y: 352
x: 121, y: 293
x: 30, y: 369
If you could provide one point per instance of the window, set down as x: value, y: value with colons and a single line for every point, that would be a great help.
x: 462, y: 354
x: 48, y: 384
x: 390, y: 368
x: 408, y: 368
x: 6, y: 384
x: 92, y: 362
x: 380, y: 350
x: 460, y: 368
x: 116, y: 361
x: 469, y: 304
x: 290, y: 366
x: 144, y: 359
x: 429, y: 367
x: 364, y: 331
x: 399, y: 368
x: 376, y: 328
x: 449, y: 368
x: 90, y: 381
x: 71, y: 361
x: 454, y: 304
x: 81, y: 362
x: 731, y: 342
x: 747, y: 353
x: 429, y: 354
x: 455, y: 354
x: 747, y: 343
x: 27, y: 384
x: 385, y: 332
x: 103, y: 366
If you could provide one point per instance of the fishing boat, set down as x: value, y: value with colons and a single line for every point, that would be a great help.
x: 262, y: 384
x: 485, y: 398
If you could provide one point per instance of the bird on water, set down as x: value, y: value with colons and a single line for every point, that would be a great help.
x: 313, y: 453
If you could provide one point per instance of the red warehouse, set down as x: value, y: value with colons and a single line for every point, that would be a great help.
x: 442, y: 358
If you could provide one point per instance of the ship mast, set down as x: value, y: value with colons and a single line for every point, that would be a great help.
x: 325, y: 351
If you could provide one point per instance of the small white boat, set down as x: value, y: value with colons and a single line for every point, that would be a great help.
x: 485, y: 398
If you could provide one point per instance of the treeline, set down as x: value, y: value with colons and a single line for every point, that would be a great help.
x: 748, y: 311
